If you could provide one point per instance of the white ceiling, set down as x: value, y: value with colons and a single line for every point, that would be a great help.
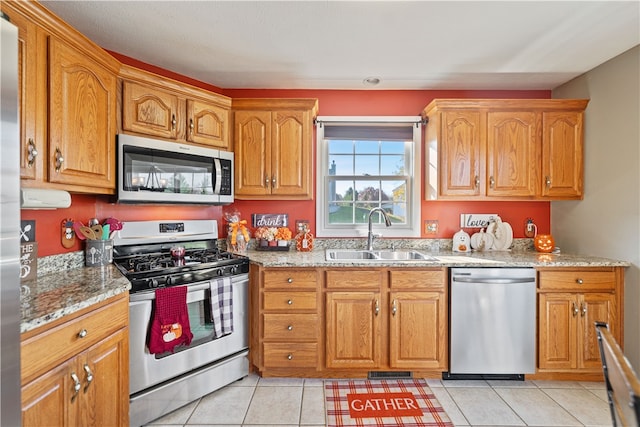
x: 333, y: 44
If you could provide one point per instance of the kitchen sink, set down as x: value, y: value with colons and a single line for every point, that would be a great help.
x: 376, y: 255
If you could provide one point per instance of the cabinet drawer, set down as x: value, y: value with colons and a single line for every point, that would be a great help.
x: 288, y: 301
x: 580, y: 280
x: 354, y: 279
x: 303, y: 327
x: 290, y: 279
x: 423, y: 279
x: 52, y: 347
x: 294, y: 355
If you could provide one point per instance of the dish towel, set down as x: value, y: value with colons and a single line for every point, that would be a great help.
x: 222, y: 306
x: 170, y: 326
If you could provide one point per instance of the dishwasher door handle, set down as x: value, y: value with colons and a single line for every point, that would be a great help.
x: 490, y: 280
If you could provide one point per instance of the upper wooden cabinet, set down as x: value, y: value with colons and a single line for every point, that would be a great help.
x: 67, y: 102
x: 160, y: 107
x: 504, y: 149
x: 273, y: 141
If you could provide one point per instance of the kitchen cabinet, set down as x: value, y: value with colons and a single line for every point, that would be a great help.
x: 76, y: 371
x: 273, y: 142
x: 160, y: 107
x: 504, y: 149
x: 386, y: 319
x: 67, y: 105
x: 285, y: 335
x: 570, y: 301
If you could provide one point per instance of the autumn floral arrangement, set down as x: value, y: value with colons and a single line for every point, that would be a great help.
x: 237, y: 233
x: 273, y: 237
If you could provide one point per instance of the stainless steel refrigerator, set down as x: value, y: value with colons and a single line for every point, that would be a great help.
x: 9, y: 228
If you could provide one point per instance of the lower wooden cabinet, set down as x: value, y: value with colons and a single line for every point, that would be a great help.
x: 570, y: 302
x: 89, y: 387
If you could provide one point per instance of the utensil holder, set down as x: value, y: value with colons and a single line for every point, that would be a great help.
x: 98, y: 252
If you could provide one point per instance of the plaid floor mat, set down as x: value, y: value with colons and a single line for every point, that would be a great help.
x: 408, y: 403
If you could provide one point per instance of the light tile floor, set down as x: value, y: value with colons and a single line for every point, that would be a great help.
x: 286, y: 402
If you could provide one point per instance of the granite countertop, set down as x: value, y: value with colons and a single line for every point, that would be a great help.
x: 446, y: 258
x: 57, y: 294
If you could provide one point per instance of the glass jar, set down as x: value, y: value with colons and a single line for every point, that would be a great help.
x: 304, y: 239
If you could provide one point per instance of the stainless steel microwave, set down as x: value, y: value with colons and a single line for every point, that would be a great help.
x: 155, y: 171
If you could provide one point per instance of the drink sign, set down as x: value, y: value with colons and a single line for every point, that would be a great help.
x: 477, y: 220
x: 269, y: 220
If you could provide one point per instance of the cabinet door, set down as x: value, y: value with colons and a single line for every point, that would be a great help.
x: 512, y: 154
x: 82, y: 112
x: 208, y: 124
x: 104, y: 371
x: 252, y: 146
x: 562, y: 169
x: 31, y: 144
x: 557, y: 319
x: 353, y: 329
x: 462, y: 151
x: 418, y: 331
x: 594, y: 307
x: 151, y: 111
x: 46, y: 401
x: 291, y: 154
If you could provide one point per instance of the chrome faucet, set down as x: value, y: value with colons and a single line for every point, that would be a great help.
x: 370, y: 235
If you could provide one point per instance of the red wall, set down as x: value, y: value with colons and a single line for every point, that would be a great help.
x: 331, y: 103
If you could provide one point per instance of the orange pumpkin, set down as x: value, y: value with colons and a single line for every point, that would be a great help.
x: 544, y: 243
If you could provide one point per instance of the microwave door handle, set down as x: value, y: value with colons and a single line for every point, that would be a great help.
x: 218, y: 171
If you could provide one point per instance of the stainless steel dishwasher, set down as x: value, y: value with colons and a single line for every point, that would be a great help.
x: 493, y: 323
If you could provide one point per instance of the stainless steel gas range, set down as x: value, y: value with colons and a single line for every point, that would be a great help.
x: 156, y: 255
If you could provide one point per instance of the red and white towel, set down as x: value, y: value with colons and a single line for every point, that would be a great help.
x: 170, y: 326
x: 222, y: 306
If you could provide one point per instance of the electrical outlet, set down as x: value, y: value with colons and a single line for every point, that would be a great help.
x: 431, y: 226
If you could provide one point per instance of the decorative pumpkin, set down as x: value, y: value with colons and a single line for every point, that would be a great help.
x: 544, y: 243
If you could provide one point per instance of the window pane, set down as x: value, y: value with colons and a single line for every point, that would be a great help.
x: 392, y: 147
x: 341, y: 165
x: 340, y: 146
x: 367, y: 147
x: 341, y: 213
x: 392, y: 165
x: 367, y: 165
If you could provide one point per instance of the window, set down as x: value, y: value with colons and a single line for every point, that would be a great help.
x: 364, y: 163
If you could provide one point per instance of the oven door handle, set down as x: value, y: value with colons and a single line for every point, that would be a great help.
x: 194, y: 293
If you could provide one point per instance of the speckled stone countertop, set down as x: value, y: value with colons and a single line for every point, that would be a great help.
x: 521, y: 255
x: 57, y: 293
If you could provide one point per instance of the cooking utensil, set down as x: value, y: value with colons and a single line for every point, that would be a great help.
x: 76, y: 227
x: 114, y: 225
x: 93, y: 221
x: 97, y: 229
x: 88, y: 233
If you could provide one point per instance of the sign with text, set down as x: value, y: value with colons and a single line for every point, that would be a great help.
x: 374, y: 405
x: 269, y: 220
x: 476, y: 220
x: 28, y: 260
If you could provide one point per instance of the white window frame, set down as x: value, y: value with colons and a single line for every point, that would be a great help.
x: 414, y: 202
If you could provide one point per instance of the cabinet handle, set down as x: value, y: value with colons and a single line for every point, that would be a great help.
x: 584, y: 309
x: 59, y: 160
x: 393, y: 308
x: 289, y: 356
x: 273, y: 181
x: 266, y: 182
x: 579, y: 281
x: 547, y: 181
x: 89, y: 376
x: 476, y: 181
x: 575, y: 309
x: 492, y: 182
x: 290, y: 302
x: 76, y: 385
x: 32, y: 153
x: 290, y: 328
x: 376, y: 308
x: 191, y: 126
x: 173, y: 122
x: 83, y: 333
x: 289, y: 280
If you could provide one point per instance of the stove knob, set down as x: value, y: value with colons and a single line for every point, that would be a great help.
x: 153, y: 283
x: 169, y: 281
x: 220, y: 271
x: 234, y: 269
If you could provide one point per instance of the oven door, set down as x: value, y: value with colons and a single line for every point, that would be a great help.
x: 147, y: 369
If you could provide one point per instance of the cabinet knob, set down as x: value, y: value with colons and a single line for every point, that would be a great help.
x: 394, y: 309
x: 579, y: 281
x: 575, y: 309
x: 476, y: 181
x: 173, y: 122
x: 290, y: 356
x: 87, y: 370
x: 32, y: 153
x: 191, y: 126
x: 266, y: 181
x: 290, y: 328
x: 492, y: 182
x: 83, y: 333
x: 59, y: 160
x: 76, y: 385
x: 290, y: 280
x: 547, y: 181
x: 376, y: 308
x: 584, y: 309
x: 290, y: 302
x: 273, y: 181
